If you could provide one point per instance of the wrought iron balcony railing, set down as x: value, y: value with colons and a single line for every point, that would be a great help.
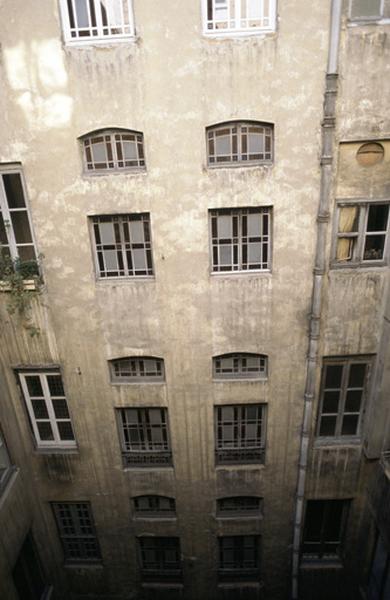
x: 147, y: 459
x: 240, y: 456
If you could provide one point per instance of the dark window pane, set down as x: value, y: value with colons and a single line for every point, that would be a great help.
x: 21, y: 227
x: 60, y: 409
x: 34, y: 385
x: 327, y: 426
x: 40, y: 409
x: 45, y: 431
x: 313, y: 520
x: 330, y: 402
x: 333, y: 376
x: 356, y: 375
x: 14, y: 190
x: 332, y: 525
x: 377, y: 217
x: 353, y: 401
x: 374, y: 246
x: 65, y: 430
x: 350, y: 423
x: 26, y: 253
x: 55, y: 385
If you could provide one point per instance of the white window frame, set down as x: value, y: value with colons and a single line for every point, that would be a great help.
x: 239, y: 372
x: 99, y: 37
x: 111, y: 139
x: 139, y: 372
x: 6, y: 212
x: 235, y: 26
x: 238, y: 132
x: 357, y: 258
x: 57, y: 442
x: 238, y: 242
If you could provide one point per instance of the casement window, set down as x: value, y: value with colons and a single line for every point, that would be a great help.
x: 160, y: 557
x: 342, y: 398
x: 28, y: 573
x: 6, y: 467
x: 77, y: 531
x: 229, y: 17
x: 113, y: 150
x: 362, y: 234
x: 48, y: 409
x: 239, y: 143
x: 242, y: 365
x: 324, y: 529
x: 123, y: 245
x: 239, y: 556
x: 137, y: 369
x: 239, y: 506
x: 144, y: 436
x: 90, y: 21
x: 240, y: 433
x: 16, y: 236
x: 154, y: 507
x: 369, y: 10
x: 240, y: 239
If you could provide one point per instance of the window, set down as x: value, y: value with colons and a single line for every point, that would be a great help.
x: 28, y: 575
x: 240, y: 433
x: 239, y: 506
x: 343, y: 388
x: 113, y: 150
x: 6, y: 468
x: 154, y: 506
x: 144, y: 436
x: 123, y: 245
x: 324, y: 529
x: 239, y: 556
x: 240, y: 239
x: 77, y: 531
x: 137, y: 369
x: 363, y: 10
x: 238, y: 16
x: 370, y: 154
x: 239, y: 144
x: 160, y: 557
x: 96, y: 20
x: 16, y: 237
x: 48, y: 409
x: 362, y: 234
x: 240, y: 366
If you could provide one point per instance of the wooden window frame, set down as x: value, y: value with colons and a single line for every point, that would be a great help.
x: 240, y: 448
x: 239, y: 154
x: 240, y: 371
x: 113, y: 141
x: 135, y: 371
x: 80, y: 523
x: 322, y: 540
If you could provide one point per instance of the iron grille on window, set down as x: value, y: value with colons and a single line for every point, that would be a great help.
x: 239, y: 143
x: 239, y: 556
x: 160, y: 557
x: 362, y: 235
x: 240, y: 366
x: 77, y: 531
x: 238, y: 16
x: 16, y: 238
x: 137, y: 369
x: 48, y: 409
x: 324, y: 529
x: 144, y: 437
x: 94, y: 20
x: 113, y: 150
x: 241, y: 239
x: 154, y: 506
x: 123, y: 245
x: 239, y: 506
x: 342, y: 397
x: 240, y: 433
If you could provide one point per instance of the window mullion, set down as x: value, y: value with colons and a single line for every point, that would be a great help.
x: 98, y: 17
x: 362, y: 228
x: 343, y: 395
x: 9, y: 231
x: 30, y: 407
x: 239, y: 239
x: 122, y: 237
x: 237, y: 13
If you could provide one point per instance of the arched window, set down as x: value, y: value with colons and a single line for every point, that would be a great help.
x: 154, y: 506
x: 113, y: 150
x: 240, y: 365
x: 137, y: 369
x: 242, y: 143
x: 239, y: 506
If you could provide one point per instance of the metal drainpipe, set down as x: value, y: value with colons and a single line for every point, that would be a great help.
x: 328, y: 129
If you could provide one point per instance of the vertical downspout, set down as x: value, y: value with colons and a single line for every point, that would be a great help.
x: 326, y: 165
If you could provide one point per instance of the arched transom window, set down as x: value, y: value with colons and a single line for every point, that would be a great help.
x: 242, y: 365
x: 137, y: 369
x: 113, y: 150
x: 239, y: 143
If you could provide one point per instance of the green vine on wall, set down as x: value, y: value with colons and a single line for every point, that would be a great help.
x: 13, y: 277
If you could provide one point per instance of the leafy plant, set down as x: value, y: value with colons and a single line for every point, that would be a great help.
x: 13, y: 274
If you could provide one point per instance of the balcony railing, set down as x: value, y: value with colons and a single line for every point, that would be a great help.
x: 240, y: 456
x: 147, y: 459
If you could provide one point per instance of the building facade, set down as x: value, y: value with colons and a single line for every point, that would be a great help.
x: 195, y: 398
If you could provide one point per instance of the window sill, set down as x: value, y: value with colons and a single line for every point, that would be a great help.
x: 120, y: 383
x: 140, y: 469
x: 337, y: 442
x: 107, y: 41
x: 358, y: 265
x: 238, y: 517
x: 367, y: 21
x: 240, y: 380
x: 162, y: 585
x: 317, y: 563
x: 87, y: 175
x: 239, y: 274
x: 57, y: 450
x: 240, y: 33
x: 123, y: 280
x: 84, y: 565
x: 240, y: 467
x: 240, y: 165
x: 155, y: 518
